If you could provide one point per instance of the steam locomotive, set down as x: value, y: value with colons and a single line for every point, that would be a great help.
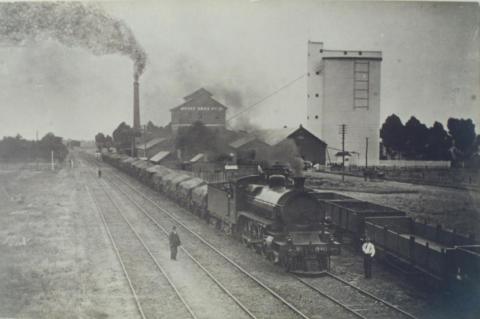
x: 277, y: 216
x: 272, y: 213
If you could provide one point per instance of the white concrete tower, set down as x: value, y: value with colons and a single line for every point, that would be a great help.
x: 343, y: 87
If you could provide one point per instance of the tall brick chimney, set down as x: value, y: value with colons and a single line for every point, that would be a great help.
x: 136, y: 105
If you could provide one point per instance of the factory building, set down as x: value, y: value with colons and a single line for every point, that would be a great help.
x: 198, y: 106
x: 249, y: 148
x: 343, y: 88
x: 153, y: 147
x: 258, y: 144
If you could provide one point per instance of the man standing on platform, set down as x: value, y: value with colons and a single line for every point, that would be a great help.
x: 368, y: 250
x: 174, y: 241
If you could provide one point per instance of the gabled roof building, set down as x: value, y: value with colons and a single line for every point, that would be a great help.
x: 153, y: 146
x: 199, y: 106
x: 261, y: 142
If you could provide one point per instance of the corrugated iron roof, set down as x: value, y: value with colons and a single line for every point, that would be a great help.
x: 151, y: 143
x: 204, y: 100
x: 242, y: 141
x: 197, y: 157
x: 274, y: 136
x: 159, y: 156
x: 197, y: 93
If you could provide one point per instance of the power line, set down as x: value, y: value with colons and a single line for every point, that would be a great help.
x: 266, y: 97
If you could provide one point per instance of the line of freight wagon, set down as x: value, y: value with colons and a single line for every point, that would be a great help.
x: 441, y: 256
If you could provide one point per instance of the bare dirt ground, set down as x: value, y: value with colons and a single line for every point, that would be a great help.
x: 56, y: 261
x: 450, y: 207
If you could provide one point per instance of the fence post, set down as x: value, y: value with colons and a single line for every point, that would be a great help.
x: 471, y: 237
x: 385, y: 232
x: 427, y: 254
x: 412, y: 249
x: 454, y: 237
x: 438, y: 229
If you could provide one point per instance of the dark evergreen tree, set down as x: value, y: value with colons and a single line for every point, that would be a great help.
x: 416, y: 135
x: 438, y: 143
x: 393, y: 134
x: 463, y: 135
x: 50, y: 143
x: 122, y: 137
x: 100, y: 141
x: 108, y: 142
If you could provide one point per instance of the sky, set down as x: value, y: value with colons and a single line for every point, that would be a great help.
x: 242, y: 51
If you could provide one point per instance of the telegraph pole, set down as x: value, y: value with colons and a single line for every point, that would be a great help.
x: 36, y: 149
x: 366, y: 152
x: 343, y: 131
x: 53, y: 163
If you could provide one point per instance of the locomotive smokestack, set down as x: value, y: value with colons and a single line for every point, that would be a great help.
x: 136, y: 104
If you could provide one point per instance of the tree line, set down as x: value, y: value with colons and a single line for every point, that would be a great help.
x: 415, y: 141
x: 412, y: 140
x: 122, y: 136
x: 17, y: 148
x: 192, y: 140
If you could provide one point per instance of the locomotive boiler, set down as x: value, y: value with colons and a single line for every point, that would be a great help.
x: 277, y: 216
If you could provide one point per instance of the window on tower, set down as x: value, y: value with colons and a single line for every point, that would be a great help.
x: 361, y: 75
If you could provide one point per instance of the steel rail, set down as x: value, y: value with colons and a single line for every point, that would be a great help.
x: 115, y: 248
x: 204, y: 241
x: 177, y: 292
x: 366, y: 293
x: 209, y: 274
x: 334, y: 300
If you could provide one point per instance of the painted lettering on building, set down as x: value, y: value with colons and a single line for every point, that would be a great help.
x: 200, y: 108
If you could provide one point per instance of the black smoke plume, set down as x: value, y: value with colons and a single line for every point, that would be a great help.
x: 285, y: 153
x: 73, y: 24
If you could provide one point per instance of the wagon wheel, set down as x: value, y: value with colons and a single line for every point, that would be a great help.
x: 285, y: 263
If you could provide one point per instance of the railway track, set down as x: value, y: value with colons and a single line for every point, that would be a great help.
x: 250, y: 288
x: 241, y: 294
x: 352, y: 299
x: 146, y: 278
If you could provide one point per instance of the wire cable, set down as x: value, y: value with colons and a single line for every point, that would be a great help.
x: 266, y: 97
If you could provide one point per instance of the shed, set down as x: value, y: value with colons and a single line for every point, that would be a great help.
x: 249, y: 147
x: 310, y: 147
x: 197, y: 157
x: 153, y: 146
x: 161, y: 156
